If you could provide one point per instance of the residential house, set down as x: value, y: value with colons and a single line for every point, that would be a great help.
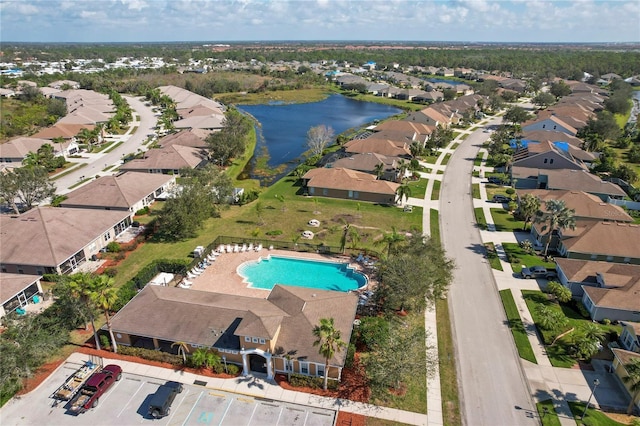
x: 550, y: 123
x: 621, y: 358
x: 13, y: 152
x: 369, y: 162
x: 614, y: 302
x: 607, y: 241
x: 65, y: 131
x: 552, y: 136
x: 576, y: 273
x: 59, y: 84
x: 413, y: 131
x: 545, y: 155
x: 48, y: 239
x: 128, y: 191
x: 17, y: 291
x: 384, y: 147
x: 588, y: 209
x: 195, y: 111
x: 85, y: 107
x: 630, y: 336
x: 271, y: 335
x: 349, y: 185
x: 185, y: 138
x: 429, y: 116
x: 169, y: 160
x: 573, y: 180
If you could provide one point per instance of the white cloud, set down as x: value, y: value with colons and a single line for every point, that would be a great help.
x: 134, y: 4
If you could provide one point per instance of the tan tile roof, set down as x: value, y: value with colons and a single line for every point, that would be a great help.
x: 625, y: 298
x: 64, y: 130
x: 184, y: 138
x: 585, y: 205
x: 173, y: 157
x: 436, y: 115
x: 12, y: 284
x: 346, y: 179
x: 380, y: 146
x: 586, y: 271
x: 405, y: 126
x: 366, y: 162
x: 607, y: 238
x: 214, y: 319
x: 20, y: 147
x: 118, y: 191
x: 580, y: 180
x: 635, y: 326
x: 48, y: 236
x: 625, y: 356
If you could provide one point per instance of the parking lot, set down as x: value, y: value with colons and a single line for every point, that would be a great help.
x: 127, y: 403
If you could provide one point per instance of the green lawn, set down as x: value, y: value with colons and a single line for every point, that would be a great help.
x: 550, y: 418
x: 480, y: 219
x: 291, y: 217
x: 493, y: 189
x: 434, y: 225
x: 100, y: 148
x: 505, y: 221
x: 518, y: 257
x: 559, y: 353
x: 418, y: 188
x: 593, y: 418
x: 445, y: 160
x: 435, y: 192
x: 113, y: 147
x: 517, y: 328
x: 70, y: 170
x: 431, y: 159
x: 447, y: 363
x: 492, y: 256
x: 478, y: 161
x: 475, y: 191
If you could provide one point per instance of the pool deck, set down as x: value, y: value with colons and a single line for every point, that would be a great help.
x: 222, y: 275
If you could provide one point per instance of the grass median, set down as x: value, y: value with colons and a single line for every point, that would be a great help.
x: 518, y: 331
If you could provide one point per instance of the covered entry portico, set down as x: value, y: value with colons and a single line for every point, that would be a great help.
x: 246, y: 361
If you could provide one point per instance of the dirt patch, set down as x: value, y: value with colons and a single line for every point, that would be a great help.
x: 40, y: 376
x: 621, y: 418
x: 350, y: 419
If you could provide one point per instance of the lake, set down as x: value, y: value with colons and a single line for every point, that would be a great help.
x: 283, y: 127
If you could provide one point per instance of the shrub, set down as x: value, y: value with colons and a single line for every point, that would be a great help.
x: 299, y: 380
x: 273, y: 233
x: 351, y: 355
x: 510, y: 191
x: 582, y: 310
x: 113, y: 247
x: 57, y: 200
x: 143, y: 211
x: 111, y: 272
x: 104, y: 341
x: 233, y: 369
x: 151, y: 355
x: 606, y: 321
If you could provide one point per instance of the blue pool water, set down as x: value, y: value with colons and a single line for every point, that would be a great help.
x: 266, y: 273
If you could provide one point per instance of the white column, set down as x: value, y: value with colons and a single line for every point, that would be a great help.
x: 269, y: 366
x: 245, y: 364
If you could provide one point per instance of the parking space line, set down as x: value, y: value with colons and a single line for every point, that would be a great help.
x: 252, y: 414
x: 193, y: 408
x: 280, y: 415
x: 130, y: 399
x: 218, y: 395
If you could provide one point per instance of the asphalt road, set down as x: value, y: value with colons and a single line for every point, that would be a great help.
x: 97, y: 162
x: 493, y: 389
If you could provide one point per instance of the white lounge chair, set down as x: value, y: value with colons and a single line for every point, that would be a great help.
x: 191, y: 275
x: 221, y: 249
x: 211, y: 258
x: 250, y: 248
x: 236, y: 248
x: 243, y: 248
x: 196, y: 271
x: 229, y: 249
x: 259, y: 247
x: 271, y: 247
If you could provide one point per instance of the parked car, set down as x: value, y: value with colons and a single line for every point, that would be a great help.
x: 501, y: 198
x: 496, y: 180
x: 161, y: 401
x: 538, y: 272
x: 94, y: 388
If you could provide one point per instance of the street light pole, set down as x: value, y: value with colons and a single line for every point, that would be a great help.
x: 596, y: 382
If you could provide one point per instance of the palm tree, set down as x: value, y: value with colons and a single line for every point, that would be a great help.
x: 329, y: 342
x: 60, y: 141
x: 529, y: 206
x: 403, y: 166
x: 633, y: 380
x: 105, y: 296
x: 403, y: 191
x: 82, y: 286
x: 558, y: 216
x: 183, y: 349
x: 32, y: 159
x: 391, y: 240
x: 345, y: 232
x: 354, y: 237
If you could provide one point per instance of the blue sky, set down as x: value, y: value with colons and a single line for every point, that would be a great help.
x: 241, y: 20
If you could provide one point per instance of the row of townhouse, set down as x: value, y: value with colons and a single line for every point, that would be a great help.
x: 550, y: 164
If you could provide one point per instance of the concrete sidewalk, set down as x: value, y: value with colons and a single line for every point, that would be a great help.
x: 258, y: 387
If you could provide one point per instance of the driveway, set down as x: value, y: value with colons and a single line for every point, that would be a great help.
x: 132, y: 142
x: 493, y: 389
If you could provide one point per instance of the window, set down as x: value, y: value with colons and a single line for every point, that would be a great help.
x: 350, y: 194
x: 304, y: 368
x: 325, y: 191
x: 544, y: 125
x: 288, y: 365
x: 262, y: 341
x: 312, y: 190
x: 254, y: 340
x: 356, y: 194
x: 319, y: 369
x: 594, y: 256
x: 247, y: 339
x: 107, y: 236
x: 551, y: 161
x: 609, y: 258
x: 587, y: 302
x: 545, y: 161
x: 627, y: 260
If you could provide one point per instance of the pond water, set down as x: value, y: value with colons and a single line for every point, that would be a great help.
x: 283, y: 127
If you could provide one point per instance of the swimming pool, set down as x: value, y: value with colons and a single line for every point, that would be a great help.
x: 264, y: 273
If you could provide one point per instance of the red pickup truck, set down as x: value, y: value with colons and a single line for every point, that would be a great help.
x: 94, y: 388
